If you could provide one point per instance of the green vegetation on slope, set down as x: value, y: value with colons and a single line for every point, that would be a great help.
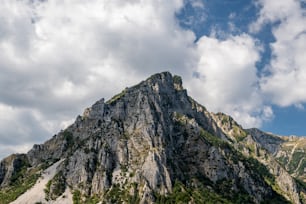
x: 116, y: 97
x: 20, y: 183
x: 182, y: 194
x: 55, y: 187
x: 297, y: 156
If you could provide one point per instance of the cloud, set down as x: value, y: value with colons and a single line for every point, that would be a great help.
x: 226, y: 78
x: 197, y: 4
x: 272, y: 11
x: 6, y: 149
x: 20, y: 128
x: 284, y: 85
x: 57, y: 57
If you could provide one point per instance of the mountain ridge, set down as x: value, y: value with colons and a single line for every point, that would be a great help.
x: 152, y: 143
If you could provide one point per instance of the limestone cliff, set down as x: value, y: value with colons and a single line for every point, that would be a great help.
x: 152, y: 143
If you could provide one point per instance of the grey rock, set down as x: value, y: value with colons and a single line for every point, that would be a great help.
x: 142, y: 142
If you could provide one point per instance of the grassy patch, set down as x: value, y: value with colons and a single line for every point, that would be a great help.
x: 22, y: 183
x: 47, y: 190
x: 213, y: 140
x: 238, y: 133
x: 123, y: 194
x: 296, y: 158
x: 182, y: 194
x: 116, y: 97
x: 77, y: 197
x: 55, y: 187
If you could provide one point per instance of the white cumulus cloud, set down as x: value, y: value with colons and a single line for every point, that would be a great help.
x: 226, y: 78
x: 284, y: 85
x: 57, y: 57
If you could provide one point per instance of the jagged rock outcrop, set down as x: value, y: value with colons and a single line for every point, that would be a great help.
x: 10, y: 167
x: 152, y: 143
x: 265, y: 147
x: 270, y: 142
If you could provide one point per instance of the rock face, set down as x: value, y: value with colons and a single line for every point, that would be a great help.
x: 152, y: 143
x: 10, y: 167
x: 290, y: 152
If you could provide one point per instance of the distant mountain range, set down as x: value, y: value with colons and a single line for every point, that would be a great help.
x: 152, y: 143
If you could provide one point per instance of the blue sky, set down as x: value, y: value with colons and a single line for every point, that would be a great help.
x: 223, y: 16
x: 241, y: 57
x: 218, y: 14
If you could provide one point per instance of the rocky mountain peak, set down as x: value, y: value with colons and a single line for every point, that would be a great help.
x: 165, y: 80
x: 152, y: 143
x: 162, y: 85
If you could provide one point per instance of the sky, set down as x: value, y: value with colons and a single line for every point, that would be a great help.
x: 245, y: 58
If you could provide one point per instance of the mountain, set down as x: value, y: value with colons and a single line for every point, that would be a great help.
x: 152, y: 143
x: 289, y: 151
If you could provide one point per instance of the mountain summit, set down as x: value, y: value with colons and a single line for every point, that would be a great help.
x: 152, y: 143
